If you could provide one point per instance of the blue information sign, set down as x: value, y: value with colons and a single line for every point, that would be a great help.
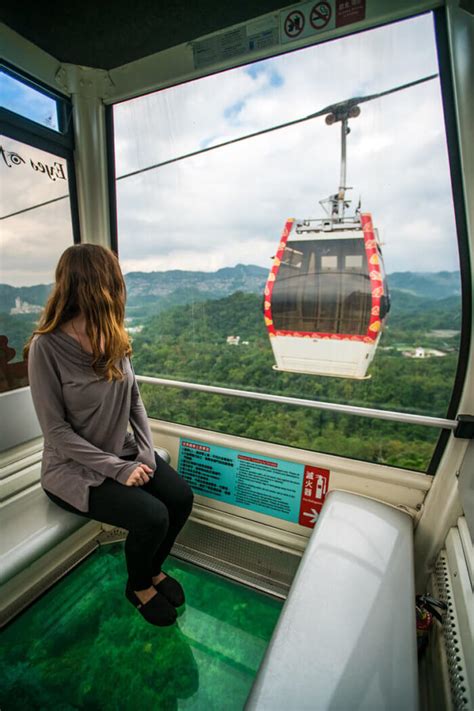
x: 256, y: 482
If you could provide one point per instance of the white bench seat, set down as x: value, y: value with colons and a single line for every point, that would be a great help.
x: 346, y: 636
x: 32, y: 525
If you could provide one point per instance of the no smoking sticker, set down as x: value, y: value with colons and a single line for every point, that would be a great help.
x: 307, y: 19
x: 320, y: 15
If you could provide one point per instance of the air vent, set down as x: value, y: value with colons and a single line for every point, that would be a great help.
x: 452, y: 639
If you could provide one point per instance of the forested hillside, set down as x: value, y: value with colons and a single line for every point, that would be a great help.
x: 159, y: 290
x: 189, y: 343
x: 180, y: 322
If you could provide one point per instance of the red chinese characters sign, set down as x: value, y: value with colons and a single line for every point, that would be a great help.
x: 313, y: 494
x: 349, y: 11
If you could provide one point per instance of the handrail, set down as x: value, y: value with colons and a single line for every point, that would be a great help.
x: 406, y: 418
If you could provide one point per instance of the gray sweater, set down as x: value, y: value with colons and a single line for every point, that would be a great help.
x: 84, y: 419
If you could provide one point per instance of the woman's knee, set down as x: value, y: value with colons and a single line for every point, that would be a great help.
x: 153, y: 517
x: 172, y: 488
x: 131, y: 508
x: 182, y: 497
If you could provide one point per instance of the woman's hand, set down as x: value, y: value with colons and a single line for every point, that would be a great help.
x: 139, y: 476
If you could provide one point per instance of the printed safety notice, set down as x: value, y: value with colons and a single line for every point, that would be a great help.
x: 275, y: 487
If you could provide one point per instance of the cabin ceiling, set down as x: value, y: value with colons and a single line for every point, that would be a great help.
x: 108, y: 34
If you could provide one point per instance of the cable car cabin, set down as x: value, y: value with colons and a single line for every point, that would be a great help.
x: 326, y: 297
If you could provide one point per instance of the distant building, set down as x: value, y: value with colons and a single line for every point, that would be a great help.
x: 134, y: 329
x: 423, y: 353
x: 233, y: 340
x: 23, y: 307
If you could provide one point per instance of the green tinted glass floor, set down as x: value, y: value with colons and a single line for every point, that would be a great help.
x: 83, y: 646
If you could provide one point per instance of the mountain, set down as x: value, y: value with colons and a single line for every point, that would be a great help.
x: 431, y: 285
x: 31, y: 294
x: 152, y: 292
x: 146, y: 286
x: 416, y: 313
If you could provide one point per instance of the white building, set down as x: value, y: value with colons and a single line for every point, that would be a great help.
x: 423, y: 353
x: 23, y: 307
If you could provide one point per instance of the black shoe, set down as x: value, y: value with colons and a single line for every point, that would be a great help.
x: 171, y: 590
x: 157, y: 611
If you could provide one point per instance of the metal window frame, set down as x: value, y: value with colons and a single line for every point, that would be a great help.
x: 112, y: 177
x: 34, y: 134
x: 439, y: 16
x: 63, y: 107
x: 373, y: 413
x: 459, y: 207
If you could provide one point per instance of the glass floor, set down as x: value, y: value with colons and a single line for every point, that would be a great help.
x: 83, y: 646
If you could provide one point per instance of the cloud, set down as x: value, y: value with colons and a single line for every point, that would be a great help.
x: 32, y: 242
x: 216, y: 204
x: 229, y: 206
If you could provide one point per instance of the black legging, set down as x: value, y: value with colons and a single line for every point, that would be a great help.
x: 153, y: 513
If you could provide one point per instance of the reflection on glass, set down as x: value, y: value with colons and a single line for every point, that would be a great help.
x: 32, y: 239
x: 29, y: 177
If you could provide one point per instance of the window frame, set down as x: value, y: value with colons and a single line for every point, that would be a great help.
x: 64, y: 106
x: 459, y: 207
x: 32, y: 134
x: 59, y: 143
x: 440, y: 23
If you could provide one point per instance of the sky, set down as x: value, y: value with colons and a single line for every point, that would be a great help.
x: 27, y: 102
x: 229, y: 206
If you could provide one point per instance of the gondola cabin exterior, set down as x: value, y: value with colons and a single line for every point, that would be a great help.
x: 326, y: 298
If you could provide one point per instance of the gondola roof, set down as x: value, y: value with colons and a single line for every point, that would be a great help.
x: 107, y: 35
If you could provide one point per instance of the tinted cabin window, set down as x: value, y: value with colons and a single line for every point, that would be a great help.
x: 323, y: 286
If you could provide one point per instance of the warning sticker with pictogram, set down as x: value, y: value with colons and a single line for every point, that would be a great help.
x: 320, y: 15
x: 307, y: 19
x: 349, y: 11
x: 313, y: 495
x: 294, y: 24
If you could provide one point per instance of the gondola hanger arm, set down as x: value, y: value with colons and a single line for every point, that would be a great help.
x: 342, y: 107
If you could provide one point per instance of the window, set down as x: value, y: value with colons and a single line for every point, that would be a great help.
x: 353, y: 261
x: 196, y: 239
x: 323, y: 297
x: 22, y: 98
x: 36, y: 225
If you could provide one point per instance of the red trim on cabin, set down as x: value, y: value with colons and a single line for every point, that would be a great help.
x: 376, y: 282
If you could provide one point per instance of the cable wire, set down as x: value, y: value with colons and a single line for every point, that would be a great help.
x: 338, y: 107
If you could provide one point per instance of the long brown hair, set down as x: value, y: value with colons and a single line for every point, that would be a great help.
x: 89, y: 281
